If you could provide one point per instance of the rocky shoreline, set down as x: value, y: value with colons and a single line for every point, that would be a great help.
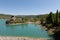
x: 19, y: 23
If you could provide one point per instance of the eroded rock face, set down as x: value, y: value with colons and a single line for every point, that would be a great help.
x: 12, y: 19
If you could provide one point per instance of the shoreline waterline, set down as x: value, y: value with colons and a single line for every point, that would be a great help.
x: 20, y: 23
x: 21, y: 38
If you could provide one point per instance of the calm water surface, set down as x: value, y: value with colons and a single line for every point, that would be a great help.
x: 27, y: 30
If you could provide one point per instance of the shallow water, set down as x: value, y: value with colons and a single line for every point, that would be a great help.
x: 26, y: 30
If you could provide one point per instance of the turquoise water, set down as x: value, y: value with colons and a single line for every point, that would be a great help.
x: 27, y: 30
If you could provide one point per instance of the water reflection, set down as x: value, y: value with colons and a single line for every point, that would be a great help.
x: 18, y: 25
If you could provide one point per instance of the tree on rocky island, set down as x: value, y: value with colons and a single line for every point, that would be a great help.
x: 13, y: 18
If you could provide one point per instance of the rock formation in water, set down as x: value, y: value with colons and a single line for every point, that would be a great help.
x: 11, y: 20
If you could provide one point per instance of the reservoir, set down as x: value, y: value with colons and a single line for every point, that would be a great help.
x: 23, y: 30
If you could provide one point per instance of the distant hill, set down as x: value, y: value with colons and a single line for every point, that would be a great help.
x: 6, y: 16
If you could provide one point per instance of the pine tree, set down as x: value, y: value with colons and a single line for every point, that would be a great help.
x: 56, y: 19
x: 57, y: 16
x: 49, y: 18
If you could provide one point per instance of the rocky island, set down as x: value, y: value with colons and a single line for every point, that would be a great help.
x: 13, y: 20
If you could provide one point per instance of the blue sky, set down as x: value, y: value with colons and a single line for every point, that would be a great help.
x: 28, y: 7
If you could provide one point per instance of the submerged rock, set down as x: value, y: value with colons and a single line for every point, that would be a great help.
x: 7, y: 22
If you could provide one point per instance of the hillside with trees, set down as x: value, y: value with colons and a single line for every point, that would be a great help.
x: 52, y: 23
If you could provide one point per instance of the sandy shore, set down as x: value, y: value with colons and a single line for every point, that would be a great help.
x: 21, y: 38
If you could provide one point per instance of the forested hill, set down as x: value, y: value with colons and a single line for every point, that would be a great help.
x: 38, y: 17
x: 6, y: 16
